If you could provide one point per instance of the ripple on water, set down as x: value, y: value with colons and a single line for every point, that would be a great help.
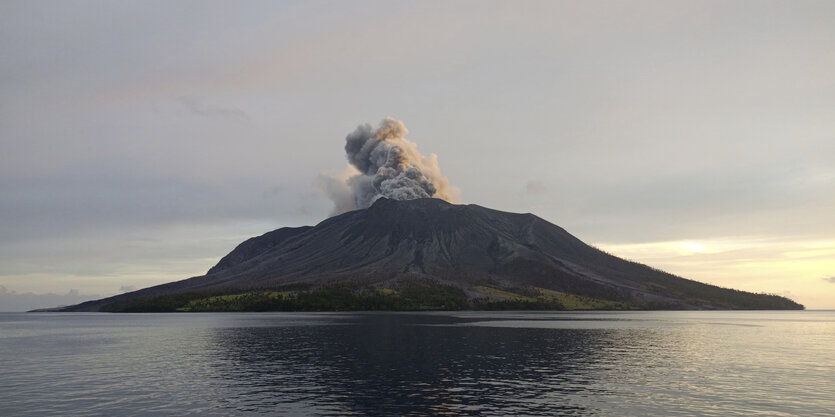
x: 631, y: 363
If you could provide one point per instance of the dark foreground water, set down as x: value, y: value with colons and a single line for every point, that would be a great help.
x: 586, y: 364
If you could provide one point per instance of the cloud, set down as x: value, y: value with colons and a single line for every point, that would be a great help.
x: 336, y: 185
x: 11, y: 301
x: 127, y: 288
x: 830, y: 280
x: 536, y: 187
x: 125, y: 195
x: 213, y: 111
x: 788, y: 294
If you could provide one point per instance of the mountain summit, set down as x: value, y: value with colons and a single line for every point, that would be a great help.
x: 479, y: 257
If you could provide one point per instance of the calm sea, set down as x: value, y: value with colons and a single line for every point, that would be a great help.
x: 472, y: 363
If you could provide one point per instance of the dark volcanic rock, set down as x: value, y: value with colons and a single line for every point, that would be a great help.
x: 255, y: 246
x: 460, y: 245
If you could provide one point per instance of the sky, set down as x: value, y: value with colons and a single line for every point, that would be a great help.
x: 142, y: 141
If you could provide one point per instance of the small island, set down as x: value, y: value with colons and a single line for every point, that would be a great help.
x: 428, y: 254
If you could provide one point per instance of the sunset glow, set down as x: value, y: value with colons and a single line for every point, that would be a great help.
x: 796, y: 268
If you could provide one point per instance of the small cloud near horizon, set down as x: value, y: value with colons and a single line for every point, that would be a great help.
x: 536, y: 187
x: 212, y: 111
x: 13, y: 301
x: 127, y: 288
x: 830, y: 280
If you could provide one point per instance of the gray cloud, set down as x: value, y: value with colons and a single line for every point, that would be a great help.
x: 830, y: 280
x: 212, y: 111
x: 127, y: 288
x: 536, y: 187
x: 124, y: 194
x: 11, y: 301
x: 388, y: 165
x: 734, y: 200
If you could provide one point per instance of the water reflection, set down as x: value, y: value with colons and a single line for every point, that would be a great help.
x: 407, y: 364
x: 613, y: 364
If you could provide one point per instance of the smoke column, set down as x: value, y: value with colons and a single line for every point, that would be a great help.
x: 384, y: 164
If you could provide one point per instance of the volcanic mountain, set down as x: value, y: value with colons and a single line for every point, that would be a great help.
x: 473, y: 256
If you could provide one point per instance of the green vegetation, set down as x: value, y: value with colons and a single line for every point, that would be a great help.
x: 508, y: 295
x: 234, y: 302
x: 579, y: 302
x: 413, y: 295
x: 161, y: 303
x: 533, y: 298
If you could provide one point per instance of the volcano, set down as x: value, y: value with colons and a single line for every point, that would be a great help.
x: 478, y: 257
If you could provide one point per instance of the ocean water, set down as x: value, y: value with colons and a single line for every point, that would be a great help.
x: 460, y: 363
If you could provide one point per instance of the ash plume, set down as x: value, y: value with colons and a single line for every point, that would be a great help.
x: 383, y: 163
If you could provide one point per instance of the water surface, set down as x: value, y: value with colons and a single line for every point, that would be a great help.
x: 480, y: 363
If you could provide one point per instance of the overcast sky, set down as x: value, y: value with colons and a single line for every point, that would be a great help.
x: 140, y: 141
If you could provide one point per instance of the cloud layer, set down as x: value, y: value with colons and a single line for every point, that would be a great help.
x: 13, y: 301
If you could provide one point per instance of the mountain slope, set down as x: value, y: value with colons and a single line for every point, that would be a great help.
x: 483, y: 252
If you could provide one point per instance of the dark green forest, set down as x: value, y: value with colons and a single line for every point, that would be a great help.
x: 424, y: 295
x: 411, y: 296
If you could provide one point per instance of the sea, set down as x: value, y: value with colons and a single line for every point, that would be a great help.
x: 647, y: 363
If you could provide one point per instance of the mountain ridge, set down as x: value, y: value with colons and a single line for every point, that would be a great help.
x: 481, y: 252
